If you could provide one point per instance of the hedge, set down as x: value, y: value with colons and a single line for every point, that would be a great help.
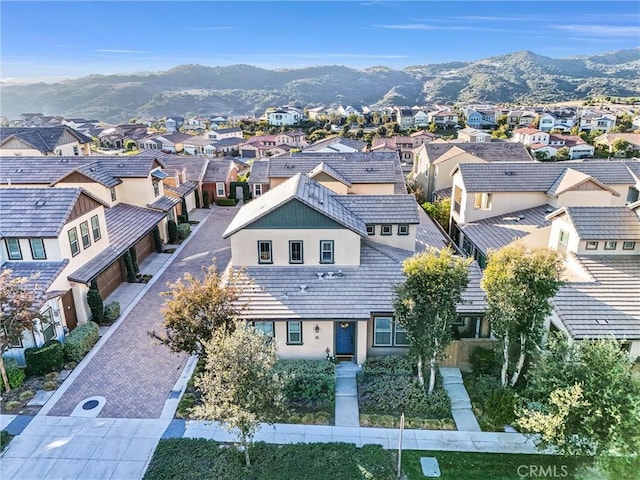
x: 111, y: 312
x: 45, y: 359
x: 173, y: 231
x: 226, y: 202
x: 80, y: 341
x: 15, y: 374
x: 184, y: 229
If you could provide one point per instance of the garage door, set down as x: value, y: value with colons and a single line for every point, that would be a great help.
x: 144, y: 247
x: 111, y: 278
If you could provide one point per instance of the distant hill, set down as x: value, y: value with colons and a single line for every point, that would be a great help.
x: 241, y: 89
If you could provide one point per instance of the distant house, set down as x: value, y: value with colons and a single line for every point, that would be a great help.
x: 420, y: 119
x: 220, y: 133
x: 521, y: 118
x: 218, y: 175
x: 529, y: 136
x: 336, y: 145
x: 593, y: 119
x: 172, y: 124
x: 443, y: 118
x: 481, y: 119
x: 606, y: 141
x: 44, y: 141
x: 473, y: 135
x: 404, y: 117
x: 281, y: 117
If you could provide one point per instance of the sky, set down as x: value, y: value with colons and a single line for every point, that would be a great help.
x: 49, y: 40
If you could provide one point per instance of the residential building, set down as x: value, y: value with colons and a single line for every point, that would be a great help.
x: 594, y: 119
x: 443, y: 118
x: 220, y: 133
x: 404, y: 117
x: 606, y: 141
x: 481, y: 119
x: 281, y: 117
x: 473, y: 135
x: 218, y: 175
x: 530, y: 136
x: 43, y: 141
x: 336, y: 145
x: 521, y: 118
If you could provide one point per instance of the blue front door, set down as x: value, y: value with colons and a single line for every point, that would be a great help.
x: 345, y: 338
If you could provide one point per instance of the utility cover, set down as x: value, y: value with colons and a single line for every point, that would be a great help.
x: 430, y: 467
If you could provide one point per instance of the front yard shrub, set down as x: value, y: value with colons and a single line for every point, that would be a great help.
x: 388, y: 365
x: 15, y: 374
x: 45, y: 359
x: 310, y: 384
x: 494, y: 404
x: 5, y: 438
x: 134, y: 259
x: 182, y: 219
x: 184, y: 229
x: 111, y: 312
x: 172, y: 228
x: 186, y: 404
x: 484, y: 362
x: 49, y: 385
x: 26, y: 395
x: 157, y: 241
x: 205, y: 199
x: 95, y: 304
x: 12, y: 405
x: 80, y: 341
x: 226, y: 202
x: 128, y: 263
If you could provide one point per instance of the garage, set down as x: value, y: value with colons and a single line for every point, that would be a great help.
x: 111, y: 278
x: 144, y: 248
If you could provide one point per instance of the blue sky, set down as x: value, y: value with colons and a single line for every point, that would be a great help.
x: 52, y: 39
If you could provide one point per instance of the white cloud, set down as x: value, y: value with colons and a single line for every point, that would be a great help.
x: 113, y: 50
x: 599, y: 30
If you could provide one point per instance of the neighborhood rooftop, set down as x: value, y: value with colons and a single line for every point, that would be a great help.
x: 603, y: 222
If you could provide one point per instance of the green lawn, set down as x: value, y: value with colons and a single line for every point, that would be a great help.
x: 194, y: 459
x: 494, y: 466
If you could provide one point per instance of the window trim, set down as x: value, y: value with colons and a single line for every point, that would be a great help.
x: 273, y: 329
x: 224, y: 188
x: 256, y: 187
x: 86, y: 244
x: 388, y: 228
x: 96, y: 227
x: 44, y: 251
x: 629, y: 245
x: 591, y: 245
x: 112, y: 190
x: 9, y: 255
x: 405, y: 227
x: 322, y: 251
x: 610, y: 245
x: 291, y: 260
x: 49, y: 323
x: 156, y: 188
x: 390, y: 331
x: 397, y: 328
x: 371, y: 230
x: 289, y: 324
x: 482, y: 201
x: 71, y: 242
x: 270, y: 260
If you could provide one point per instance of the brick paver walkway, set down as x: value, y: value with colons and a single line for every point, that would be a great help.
x: 132, y: 371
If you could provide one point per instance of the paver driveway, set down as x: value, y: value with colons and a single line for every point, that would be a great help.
x: 131, y: 371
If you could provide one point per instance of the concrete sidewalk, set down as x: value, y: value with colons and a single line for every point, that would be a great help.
x: 461, y: 410
x: 347, y: 413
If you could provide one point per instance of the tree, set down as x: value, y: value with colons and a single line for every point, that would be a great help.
x: 130, y: 145
x: 425, y: 304
x: 584, y: 399
x: 240, y: 387
x: 562, y: 154
x: 196, y: 308
x: 519, y: 285
x: 19, y: 310
x: 94, y: 300
x: 433, y: 127
x: 382, y: 131
x: 439, y: 211
x: 619, y: 145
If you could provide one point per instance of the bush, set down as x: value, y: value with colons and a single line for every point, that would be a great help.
x: 173, y: 231
x: 388, y: 365
x: 95, y: 304
x: 186, y: 404
x: 134, y: 259
x: 497, y: 404
x: 205, y: 199
x: 49, y: 385
x: 45, y: 359
x: 26, y: 395
x: 111, y: 312
x: 5, y: 438
x: 15, y: 374
x: 184, y: 229
x: 310, y: 384
x: 484, y: 362
x: 226, y: 202
x: 128, y: 263
x: 80, y: 341
x: 182, y: 219
x: 12, y: 405
x: 157, y: 241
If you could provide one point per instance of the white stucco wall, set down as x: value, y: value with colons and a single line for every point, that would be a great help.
x: 406, y: 242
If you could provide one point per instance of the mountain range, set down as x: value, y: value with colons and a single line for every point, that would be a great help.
x: 521, y: 77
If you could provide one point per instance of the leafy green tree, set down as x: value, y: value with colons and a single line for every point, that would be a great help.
x: 562, y: 154
x: 519, y: 285
x: 130, y: 145
x: 195, y: 308
x: 502, y: 120
x: 541, y: 155
x: 240, y: 386
x: 433, y: 127
x: 619, y: 145
x: 94, y: 300
x: 584, y: 399
x: 500, y: 133
x: 19, y: 310
x: 439, y: 211
x: 425, y: 304
x: 381, y: 131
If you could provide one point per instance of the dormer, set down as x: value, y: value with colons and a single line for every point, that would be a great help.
x: 573, y: 187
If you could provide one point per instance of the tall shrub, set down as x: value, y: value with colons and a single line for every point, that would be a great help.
x: 157, y: 241
x: 134, y: 259
x: 173, y: 231
x: 184, y: 211
x: 205, y: 199
x: 128, y: 263
x: 95, y: 304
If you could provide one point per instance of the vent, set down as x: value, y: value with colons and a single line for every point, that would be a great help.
x: 19, y: 170
x: 121, y: 165
x: 303, y: 288
x: 509, y: 174
x: 40, y: 203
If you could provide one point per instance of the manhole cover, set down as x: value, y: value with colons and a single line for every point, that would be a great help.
x: 90, y: 405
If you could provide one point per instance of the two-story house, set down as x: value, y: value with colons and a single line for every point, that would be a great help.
x: 473, y: 135
x: 481, y: 119
x: 593, y: 119
x: 220, y: 133
x: 336, y: 145
x: 281, y: 117
x: 443, y: 118
x: 43, y: 141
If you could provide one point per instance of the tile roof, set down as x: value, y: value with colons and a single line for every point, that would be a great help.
x: 378, y: 209
x: 489, y: 151
x: 301, y: 188
x: 36, y: 212
x: 571, y: 178
x: 259, y: 171
x: 428, y: 235
x: 45, y: 139
x: 609, y: 305
x: 40, y: 275
x: 217, y: 170
x: 195, y: 166
x: 322, y: 167
x: 328, y: 142
x: 537, y: 176
x: 602, y: 223
x: 126, y: 225
x: 182, y: 190
x: 164, y: 203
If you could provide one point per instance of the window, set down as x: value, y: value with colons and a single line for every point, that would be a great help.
x: 264, y: 251
x: 403, y: 229
x: 95, y: 228
x: 219, y: 189
x: 435, y: 171
x: 382, y: 327
x: 610, y: 245
x: 48, y: 327
x: 113, y: 193
x: 13, y: 249
x: 75, y: 150
x: 294, y: 333
x: 592, y: 245
x: 326, y: 251
x: 371, y: 229
x: 401, y: 337
x: 482, y: 201
x: 266, y: 328
x: 156, y: 189
x: 84, y: 233
x: 295, y: 251
x: 37, y: 249
x: 386, y: 230
x: 563, y: 241
x: 628, y: 245
x: 73, y: 241
x: 257, y: 189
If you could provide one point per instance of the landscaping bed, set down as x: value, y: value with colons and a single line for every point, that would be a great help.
x: 193, y: 459
x: 493, y: 405
x: 388, y: 386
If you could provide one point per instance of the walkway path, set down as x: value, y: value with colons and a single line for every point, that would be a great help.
x: 460, y: 403
x: 347, y: 413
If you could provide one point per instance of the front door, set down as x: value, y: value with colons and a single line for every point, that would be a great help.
x: 69, y: 308
x: 345, y: 338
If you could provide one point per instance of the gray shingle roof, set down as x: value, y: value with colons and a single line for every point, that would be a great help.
x: 126, y: 225
x: 603, y: 223
x: 489, y: 152
x: 181, y: 190
x: 45, y: 139
x: 164, y: 203
x: 217, y: 170
x: 39, y: 275
x: 501, y: 230
x: 195, y: 166
x: 36, y: 212
x: 609, y: 305
x: 376, y: 209
x: 428, y: 235
x: 259, y: 172
x: 536, y: 177
x: 328, y: 142
x: 322, y: 167
x: 301, y: 188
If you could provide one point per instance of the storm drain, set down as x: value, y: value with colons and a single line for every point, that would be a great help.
x: 89, y: 407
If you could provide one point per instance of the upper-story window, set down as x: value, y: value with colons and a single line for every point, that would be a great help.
x: 84, y: 233
x: 13, y: 249
x: 37, y: 249
x: 628, y: 245
x: 592, y: 245
x: 73, y: 241
x: 326, y: 251
x: 295, y: 251
x: 610, y: 245
x: 75, y: 150
x: 264, y: 251
x: 403, y: 229
x: 371, y: 229
x: 156, y: 189
x: 113, y: 193
x: 257, y: 190
x: 482, y: 201
x: 95, y: 228
x: 386, y: 230
x: 563, y: 241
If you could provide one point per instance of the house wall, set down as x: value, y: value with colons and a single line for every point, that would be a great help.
x: 406, y: 242
x: 586, y: 197
x: 94, y: 188
x: 561, y: 224
x: 92, y: 250
x: 372, y: 188
x: 138, y: 191
x: 582, y: 248
x: 502, y: 203
x: 332, y: 184
x: 244, y: 246
x: 444, y: 179
x: 314, y: 345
